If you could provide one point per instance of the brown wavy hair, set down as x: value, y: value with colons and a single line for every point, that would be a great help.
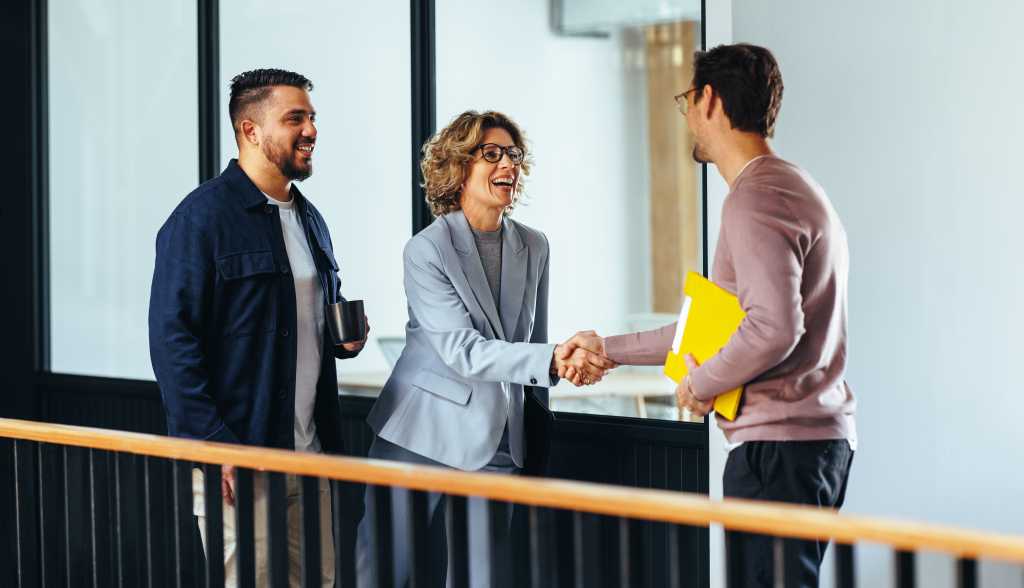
x: 447, y: 155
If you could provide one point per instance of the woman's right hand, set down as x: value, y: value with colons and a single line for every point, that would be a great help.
x: 579, y: 366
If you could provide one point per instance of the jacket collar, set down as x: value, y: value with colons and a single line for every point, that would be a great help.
x: 462, y: 234
x: 247, y: 192
x: 513, y: 272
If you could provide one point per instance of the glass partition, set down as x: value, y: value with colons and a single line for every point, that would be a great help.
x: 357, y: 55
x: 613, y: 186
x: 123, y: 122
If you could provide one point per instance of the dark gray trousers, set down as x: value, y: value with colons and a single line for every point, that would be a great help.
x: 801, y: 472
x: 437, y: 536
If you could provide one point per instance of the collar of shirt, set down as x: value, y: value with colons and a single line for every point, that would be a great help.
x: 746, y: 165
x: 285, y: 205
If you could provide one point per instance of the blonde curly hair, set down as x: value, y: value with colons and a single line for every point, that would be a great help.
x: 447, y: 155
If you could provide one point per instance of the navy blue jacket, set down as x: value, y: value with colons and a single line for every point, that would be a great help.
x: 222, y: 318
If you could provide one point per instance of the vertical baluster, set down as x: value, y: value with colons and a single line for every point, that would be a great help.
x: 540, y: 560
x: 341, y: 577
x: 497, y: 530
x: 118, y: 522
x: 344, y: 554
x: 787, y: 561
x: 214, y: 504
x: 180, y: 488
x: 277, y: 529
x: 245, y: 541
x: 93, y: 534
x: 457, y: 522
x: 905, y: 573
x: 966, y: 572
x: 672, y: 544
x: 309, y: 543
x: 693, y: 550
x: 147, y: 519
x: 845, y: 573
x: 19, y: 524
x: 67, y: 515
x: 43, y: 563
x: 383, y: 553
x: 625, y: 555
x: 638, y: 532
x: 25, y: 498
x: 419, y: 548
x: 779, y: 562
x: 181, y: 496
x: 564, y: 547
x: 577, y: 549
x: 586, y: 563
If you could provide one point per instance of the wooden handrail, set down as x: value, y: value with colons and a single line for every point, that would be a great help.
x: 768, y: 518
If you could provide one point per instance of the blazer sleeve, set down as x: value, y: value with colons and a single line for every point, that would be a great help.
x: 540, y: 319
x: 443, y: 317
x: 179, y: 304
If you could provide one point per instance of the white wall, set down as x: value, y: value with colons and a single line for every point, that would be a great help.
x: 909, y: 115
x: 357, y: 56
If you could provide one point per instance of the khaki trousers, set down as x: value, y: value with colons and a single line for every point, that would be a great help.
x: 260, y: 530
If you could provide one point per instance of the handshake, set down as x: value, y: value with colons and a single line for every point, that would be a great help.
x: 581, y: 359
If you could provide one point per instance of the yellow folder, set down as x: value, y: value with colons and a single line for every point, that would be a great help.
x: 709, y: 317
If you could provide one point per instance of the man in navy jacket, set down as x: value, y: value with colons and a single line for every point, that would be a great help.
x: 244, y: 266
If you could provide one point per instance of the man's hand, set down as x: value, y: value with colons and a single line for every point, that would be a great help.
x: 358, y: 345
x: 588, y: 340
x: 227, y: 484
x: 581, y: 367
x: 684, y: 393
x: 581, y: 359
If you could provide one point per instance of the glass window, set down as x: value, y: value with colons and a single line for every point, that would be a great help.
x: 122, y: 153
x: 613, y: 185
x: 358, y: 57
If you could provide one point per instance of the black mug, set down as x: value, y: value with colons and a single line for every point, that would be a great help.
x: 346, y: 321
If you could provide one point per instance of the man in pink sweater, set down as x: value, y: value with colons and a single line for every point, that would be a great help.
x: 782, y: 250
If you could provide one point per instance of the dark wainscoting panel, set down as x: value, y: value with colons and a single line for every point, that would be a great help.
x: 107, y: 403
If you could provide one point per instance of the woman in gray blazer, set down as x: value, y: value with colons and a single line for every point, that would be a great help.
x: 477, y: 286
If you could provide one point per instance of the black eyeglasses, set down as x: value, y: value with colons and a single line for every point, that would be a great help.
x: 682, y: 102
x: 492, y: 153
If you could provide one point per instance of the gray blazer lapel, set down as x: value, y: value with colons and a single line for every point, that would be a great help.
x: 514, y: 258
x: 473, y: 268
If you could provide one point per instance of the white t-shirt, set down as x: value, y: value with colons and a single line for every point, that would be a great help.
x: 309, y: 312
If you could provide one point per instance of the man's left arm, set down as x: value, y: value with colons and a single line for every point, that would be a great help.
x: 764, y: 238
x: 350, y: 350
x: 345, y: 350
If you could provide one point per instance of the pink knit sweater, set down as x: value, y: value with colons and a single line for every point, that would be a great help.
x: 782, y: 250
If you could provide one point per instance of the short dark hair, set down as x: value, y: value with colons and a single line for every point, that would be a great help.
x: 747, y: 79
x: 250, y: 88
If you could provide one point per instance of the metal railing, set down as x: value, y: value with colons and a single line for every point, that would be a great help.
x: 600, y: 520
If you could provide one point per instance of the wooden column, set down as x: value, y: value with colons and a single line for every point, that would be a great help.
x: 675, y: 222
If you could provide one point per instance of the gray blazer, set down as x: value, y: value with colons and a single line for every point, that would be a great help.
x: 463, y: 371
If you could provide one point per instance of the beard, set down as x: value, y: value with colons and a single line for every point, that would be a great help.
x: 700, y: 155
x: 286, y: 160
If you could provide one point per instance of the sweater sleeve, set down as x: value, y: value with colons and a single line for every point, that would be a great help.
x: 643, y: 348
x: 767, y: 246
